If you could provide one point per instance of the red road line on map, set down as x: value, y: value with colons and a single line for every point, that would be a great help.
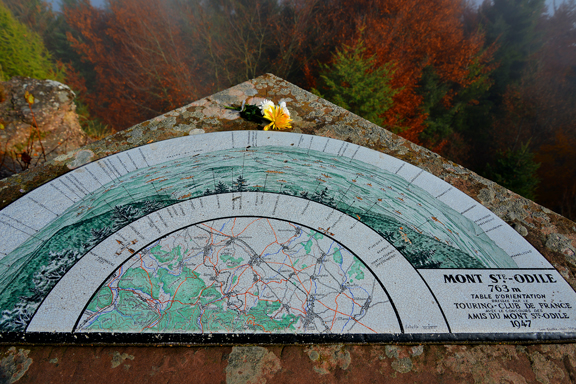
x: 274, y: 232
x: 196, y: 303
x: 285, y: 265
x: 215, y: 230
x: 252, y: 222
x: 111, y: 290
x: 237, y: 281
x: 292, y: 237
x: 176, y: 293
x: 217, y: 253
x: 335, y: 302
x: 301, y: 301
x: 289, y: 258
x: 264, y: 250
x: 364, y: 325
x: 247, y: 292
x: 309, y: 280
x: 256, y: 324
x: 298, y: 310
x: 275, y: 281
x: 354, y: 301
x: 149, y: 279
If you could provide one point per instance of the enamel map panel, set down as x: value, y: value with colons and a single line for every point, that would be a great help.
x: 252, y: 236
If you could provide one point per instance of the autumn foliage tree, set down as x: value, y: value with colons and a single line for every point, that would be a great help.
x: 35, y: 14
x: 142, y: 62
x: 413, y: 35
x: 558, y: 186
x: 154, y: 56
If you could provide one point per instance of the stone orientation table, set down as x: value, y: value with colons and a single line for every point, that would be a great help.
x: 253, y: 236
x: 337, y: 231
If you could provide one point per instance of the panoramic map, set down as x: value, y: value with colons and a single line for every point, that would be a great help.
x: 259, y: 232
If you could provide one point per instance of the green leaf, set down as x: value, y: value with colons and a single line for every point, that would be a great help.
x: 250, y: 113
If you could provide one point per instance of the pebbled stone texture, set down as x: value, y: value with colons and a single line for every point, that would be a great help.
x: 482, y: 364
x: 553, y: 235
x: 251, y: 365
x: 55, y: 114
x: 14, y: 364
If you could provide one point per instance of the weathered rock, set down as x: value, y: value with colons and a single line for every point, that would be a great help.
x: 54, y: 112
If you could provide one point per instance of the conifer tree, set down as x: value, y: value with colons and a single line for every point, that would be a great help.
x: 321, y: 196
x: 353, y: 81
x: 240, y: 184
x: 516, y: 170
x: 512, y: 25
x: 221, y: 187
x: 444, y: 119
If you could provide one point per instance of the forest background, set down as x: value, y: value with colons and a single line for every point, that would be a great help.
x: 491, y: 87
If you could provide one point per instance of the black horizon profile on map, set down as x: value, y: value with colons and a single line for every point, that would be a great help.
x: 267, y: 237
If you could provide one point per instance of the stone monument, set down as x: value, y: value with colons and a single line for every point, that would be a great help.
x: 198, y: 228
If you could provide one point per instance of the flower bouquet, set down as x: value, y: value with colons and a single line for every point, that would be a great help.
x: 275, y: 116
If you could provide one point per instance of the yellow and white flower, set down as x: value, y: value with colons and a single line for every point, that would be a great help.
x: 266, y: 104
x: 278, y: 115
x: 284, y: 109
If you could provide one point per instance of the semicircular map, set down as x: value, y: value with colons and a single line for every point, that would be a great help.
x: 264, y: 237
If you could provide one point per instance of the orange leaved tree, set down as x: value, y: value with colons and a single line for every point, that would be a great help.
x: 143, y: 63
x: 412, y: 35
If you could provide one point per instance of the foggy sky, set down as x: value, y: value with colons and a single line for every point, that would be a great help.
x: 56, y: 3
x: 549, y: 3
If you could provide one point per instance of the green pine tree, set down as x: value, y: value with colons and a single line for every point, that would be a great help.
x: 22, y: 52
x: 516, y: 170
x: 221, y: 187
x: 240, y: 184
x: 354, y: 82
x: 512, y: 25
x: 444, y: 120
